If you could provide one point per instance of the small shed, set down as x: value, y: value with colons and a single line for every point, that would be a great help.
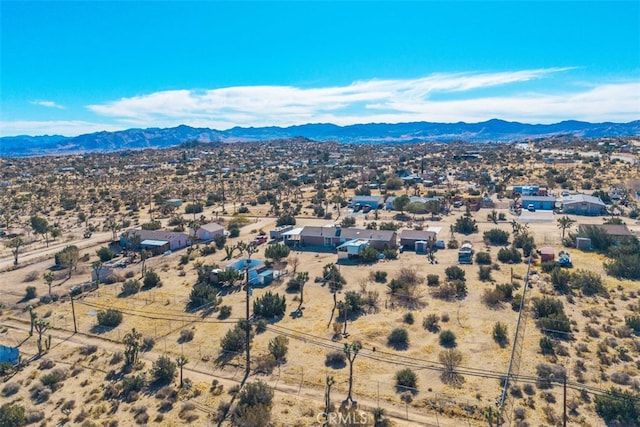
x: 547, y: 253
x: 156, y: 247
x: 276, y: 234
x: 421, y: 246
x: 583, y: 243
x: 9, y: 355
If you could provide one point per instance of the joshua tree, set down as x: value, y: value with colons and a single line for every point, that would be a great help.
x: 564, y: 223
x: 14, y: 244
x: 302, y: 279
x: 327, y: 396
x: 131, y: 343
x: 33, y: 316
x: 41, y: 327
x: 48, y: 279
x: 181, y: 361
x: 351, y: 350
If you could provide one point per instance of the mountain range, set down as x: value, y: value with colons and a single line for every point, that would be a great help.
x: 374, y: 133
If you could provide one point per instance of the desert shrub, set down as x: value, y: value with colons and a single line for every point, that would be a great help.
x: 447, y: 338
x: 496, y: 236
x: 633, y: 322
x: 269, y: 305
x: 546, y: 345
x: 431, y: 323
x: 618, y: 407
x: 105, y: 254
x: 483, y: 258
x: 380, y: 276
x: 109, y: 318
x: 548, y: 373
x: 465, y: 225
x: 234, y: 340
x: 589, y: 282
x: 278, y: 348
x: 398, y: 339
x: 433, y: 280
x: 560, y: 279
x: 548, y: 266
x: 147, y: 343
x: 34, y: 416
x: 46, y: 364
x: 151, y: 280
x: 454, y: 273
x: 406, y: 380
x: 130, y: 287
x: 509, y: 255
x: 30, y: 292
x: 453, y: 244
x: 10, y: 389
x: 335, y: 359
x: 484, y: 273
x: 254, y: 405
x: 408, y: 318
x: 500, y: 334
x: 133, y: 383
x: 186, y: 335
x: 163, y: 369
x: 352, y: 305
x: 225, y: 312
x: 261, y: 326
x: 12, y: 415
x: 53, y: 378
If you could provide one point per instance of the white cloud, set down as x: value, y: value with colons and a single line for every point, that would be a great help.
x: 453, y: 97
x: 48, y: 104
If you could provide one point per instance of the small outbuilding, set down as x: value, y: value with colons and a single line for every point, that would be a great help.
x: 547, y: 253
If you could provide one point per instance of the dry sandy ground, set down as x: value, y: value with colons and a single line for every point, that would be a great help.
x: 160, y: 313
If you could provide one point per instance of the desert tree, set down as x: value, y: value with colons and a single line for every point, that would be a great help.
x: 351, y: 351
x: 278, y: 348
x: 302, y: 278
x: 15, y: 244
x: 181, y: 361
x: 132, y: 346
x: 41, y: 326
x: 565, y: 223
x: 329, y: 381
x: 451, y: 359
x: 48, y: 279
x: 40, y: 226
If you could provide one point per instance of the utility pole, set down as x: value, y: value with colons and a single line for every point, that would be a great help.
x: 248, y: 325
x: 73, y: 311
x: 564, y: 400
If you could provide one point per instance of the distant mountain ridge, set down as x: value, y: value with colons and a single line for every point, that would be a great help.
x: 489, y: 131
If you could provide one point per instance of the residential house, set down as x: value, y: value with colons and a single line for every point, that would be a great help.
x: 209, y: 231
x: 176, y: 240
x: 331, y: 237
x: 374, y: 202
x: 545, y: 203
x: 619, y: 232
x: 581, y: 204
x: 413, y: 239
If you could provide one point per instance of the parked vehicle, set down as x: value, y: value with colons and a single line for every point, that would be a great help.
x: 260, y: 239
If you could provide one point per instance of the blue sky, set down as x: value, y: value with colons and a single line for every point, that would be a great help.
x: 76, y: 67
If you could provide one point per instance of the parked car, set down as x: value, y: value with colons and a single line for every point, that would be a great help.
x: 531, y: 208
x: 260, y: 239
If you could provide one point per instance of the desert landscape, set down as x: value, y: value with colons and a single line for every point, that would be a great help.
x: 115, y: 328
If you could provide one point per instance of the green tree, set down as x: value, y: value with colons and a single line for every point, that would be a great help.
x: 565, y: 223
x: 277, y: 252
x: 105, y: 254
x: 278, y: 347
x: 269, y: 305
x: 163, y: 369
x: 40, y: 226
x: 401, y: 202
